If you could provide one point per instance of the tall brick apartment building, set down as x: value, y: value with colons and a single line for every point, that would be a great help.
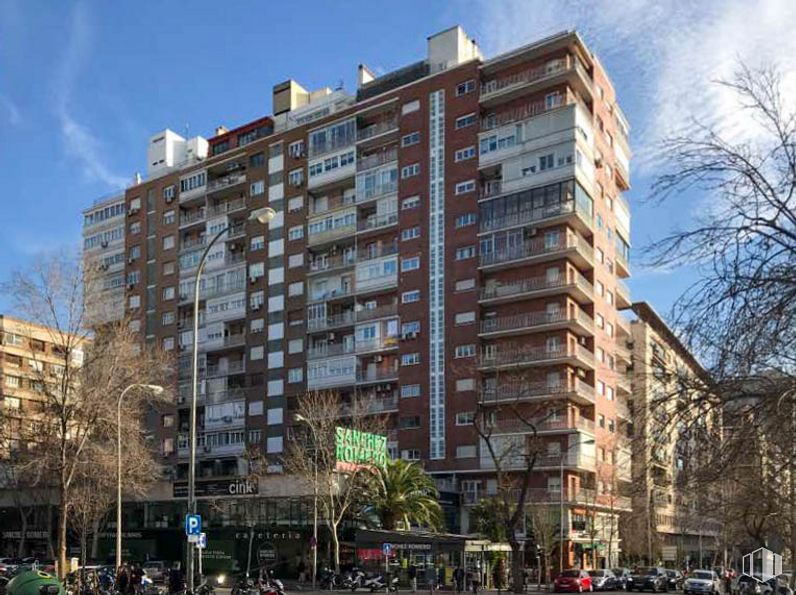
x: 450, y: 222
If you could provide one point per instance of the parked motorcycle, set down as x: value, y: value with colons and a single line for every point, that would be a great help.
x: 376, y: 583
x: 328, y: 579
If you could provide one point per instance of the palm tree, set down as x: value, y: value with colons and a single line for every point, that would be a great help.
x: 403, y: 494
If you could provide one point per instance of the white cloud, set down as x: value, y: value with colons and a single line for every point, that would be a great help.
x: 663, y: 56
x: 80, y: 143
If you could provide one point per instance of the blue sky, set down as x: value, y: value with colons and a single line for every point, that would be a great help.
x: 83, y: 84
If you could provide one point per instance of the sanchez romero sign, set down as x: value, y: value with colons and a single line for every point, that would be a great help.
x: 355, y: 448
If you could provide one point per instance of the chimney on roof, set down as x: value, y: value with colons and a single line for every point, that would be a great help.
x: 221, y: 130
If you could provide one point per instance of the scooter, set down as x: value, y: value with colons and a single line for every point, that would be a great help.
x: 354, y: 580
x: 376, y: 583
x: 328, y: 579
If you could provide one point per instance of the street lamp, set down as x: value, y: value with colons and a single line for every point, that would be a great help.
x: 155, y: 390
x: 561, y: 499
x: 262, y: 216
x: 301, y: 419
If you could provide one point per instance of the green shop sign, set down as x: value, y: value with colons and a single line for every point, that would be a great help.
x: 354, y: 448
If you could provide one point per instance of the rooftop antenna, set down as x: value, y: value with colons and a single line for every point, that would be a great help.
x: 187, y: 129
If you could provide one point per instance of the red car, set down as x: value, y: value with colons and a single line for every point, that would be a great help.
x: 573, y: 580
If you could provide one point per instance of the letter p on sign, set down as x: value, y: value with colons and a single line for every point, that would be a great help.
x: 193, y: 524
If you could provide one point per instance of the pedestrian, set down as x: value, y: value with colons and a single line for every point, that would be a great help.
x: 412, y: 573
x: 497, y: 577
x: 431, y: 577
x: 136, y: 579
x: 122, y: 579
x: 475, y: 581
x: 441, y: 576
x: 175, y: 579
x: 302, y: 571
x: 458, y: 578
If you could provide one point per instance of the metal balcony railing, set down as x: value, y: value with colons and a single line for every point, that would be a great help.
x: 227, y: 207
x: 532, y: 215
x: 378, y: 221
x: 537, y: 247
x: 518, y: 391
x: 532, y: 319
x: 192, y: 217
x: 225, y: 181
x: 528, y: 355
x: 377, y: 129
x: 532, y: 284
x: 377, y: 159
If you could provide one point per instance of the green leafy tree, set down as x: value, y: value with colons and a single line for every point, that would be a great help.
x: 402, y: 494
x: 486, y: 518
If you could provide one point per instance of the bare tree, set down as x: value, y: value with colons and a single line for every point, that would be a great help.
x: 545, y: 524
x: 312, y: 456
x: 77, y: 373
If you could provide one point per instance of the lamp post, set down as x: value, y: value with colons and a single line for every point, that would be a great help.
x: 300, y: 418
x: 262, y: 216
x: 156, y: 390
x: 561, y: 499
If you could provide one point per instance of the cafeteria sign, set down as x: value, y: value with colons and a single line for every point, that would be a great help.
x: 354, y: 448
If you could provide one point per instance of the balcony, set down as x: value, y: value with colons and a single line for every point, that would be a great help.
x: 328, y: 264
x: 376, y: 132
x: 377, y: 222
x: 508, y: 87
x: 374, y: 192
x: 542, y: 426
x: 523, y: 356
x: 192, y: 217
x: 568, y: 210
x: 332, y: 294
x: 380, y: 252
x: 238, y: 367
x: 377, y: 159
x: 228, y: 342
x: 219, y: 290
x: 572, y: 460
x: 374, y: 405
x: 376, y: 284
x: 623, y: 326
x: 330, y: 322
x: 577, y: 391
x: 490, y: 189
x: 235, y: 232
x: 331, y: 372
x: 540, y: 250
x: 373, y: 313
x: 578, y: 322
x: 525, y: 112
x: 329, y: 350
x: 622, y: 165
x: 189, y: 244
x: 330, y: 235
x: 376, y: 345
x: 622, y: 265
x: 622, y: 294
x: 227, y: 207
x: 622, y: 410
x: 573, y: 284
x: 622, y: 353
x: 376, y: 376
x: 225, y: 182
x: 624, y: 385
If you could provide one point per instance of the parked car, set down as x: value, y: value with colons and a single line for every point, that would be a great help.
x: 702, y: 581
x: 603, y: 580
x: 676, y: 579
x: 648, y: 577
x: 574, y: 581
x: 155, y: 570
x: 621, y: 574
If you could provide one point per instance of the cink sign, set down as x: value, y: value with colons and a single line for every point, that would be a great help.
x: 355, y: 448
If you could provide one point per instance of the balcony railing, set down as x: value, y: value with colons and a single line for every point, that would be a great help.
x: 380, y: 252
x: 225, y: 181
x: 192, y: 217
x: 329, y: 350
x: 530, y: 355
x: 377, y: 129
x: 331, y: 234
x: 364, y: 194
x: 532, y: 284
x: 191, y: 243
x: 518, y: 391
x: 333, y: 294
x: 380, y: 344
x: 491, y: 188
x: 532, y: 75
x: 518, y: 426
x: 533, y: 215
x: 378, y: 221
x: 332, y: 263
x: 384, y: 375
x: 523, y: 112
x: 227, y: 207
x: 537, y: 247
x: 225, y: 369
x: 373, y: 313
x: 329, y: 322
x: 532, y: 319
x: 377, y: 159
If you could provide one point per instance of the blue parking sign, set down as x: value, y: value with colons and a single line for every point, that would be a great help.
x: 386, y: 548
x: 193, y: 524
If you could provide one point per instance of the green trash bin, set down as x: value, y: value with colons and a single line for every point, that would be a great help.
x: 34, y: 582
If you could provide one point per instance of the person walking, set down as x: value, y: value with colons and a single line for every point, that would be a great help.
x: 136, y: 579
x: 441, y: 576
x: 302, y: 571
x: 122, y: 580
x: 458, y: 578
x: 475, y: 581
x: 431, y: 577
x: 175, y: 579
x: 412, y: 573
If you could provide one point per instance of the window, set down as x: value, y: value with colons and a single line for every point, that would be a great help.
x: 135, y: 253
x: 295, y: 233
x: 410, y: 328
x: 466, y: 451
x: 295, y: 204
x: 410, y: 264
x: 465, y: 88
x: 169, y: 293
x: 464, y: 318
x: 409, y: 171
x: 409, y: 391
x: 410, y: 233
x: 135, y: 205
x: 295, y: 346
x: 197, y: 180
x: 167, y: 318
x: 410, y: 359
x: 464, y: 351
x: 135, y: 228
x: 409, y: 423
x: 257, y: 160
x: 410, y: 454
x: 408, y: 297
x: 465, y: 418
x: 465, y: 121
x: 134, y: 301
x: 296, y: 177
x: 410, y: 106
x: 257, y: 187
x: 465, y: 220
x: 168, y: 242
x: 168, y: 343
x: 169, y: 192
x: 465, y: 285
x: 465, y: 187
x: 169, y: 217
x: 464, y: 154
x: 133, y: 277
x: 296, y: 149
x: 256, y: 353
x: 257, y: 325
x: 295, y: 289
x: 410, y: 139
x: 295, y: 260
x: 257, y: 243
x: 410, y: 203
x: 295, y: 375
x: 465, y: 385
x: 465, y: 253
x: 13, y: 381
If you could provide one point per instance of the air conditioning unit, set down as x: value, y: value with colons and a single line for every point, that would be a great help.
x: 169, y: 199
x: 132, y: 211
x: 131, y: 260
x: 256, y: 307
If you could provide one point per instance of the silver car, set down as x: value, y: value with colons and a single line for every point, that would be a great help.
x: 702, y: 582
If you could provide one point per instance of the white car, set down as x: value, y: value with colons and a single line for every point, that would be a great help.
x: 702, y: 582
